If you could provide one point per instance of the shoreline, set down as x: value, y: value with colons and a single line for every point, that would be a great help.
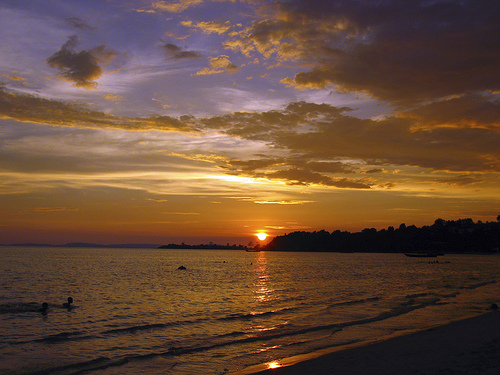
x: 468, y: 346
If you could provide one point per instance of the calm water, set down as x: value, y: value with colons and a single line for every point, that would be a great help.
x: 136, y: 313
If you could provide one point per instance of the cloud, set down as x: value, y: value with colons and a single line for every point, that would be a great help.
x: 297, y: 176
x: 281, y: 202
x: 220, y: 64
x: 13, y: 77
x: 54, y: 209
x: 461, y: 180
x: 173, y: 51
x: 175, y: 7
x: 210, y: 27
x: 30, y: 108
x: 322, y: 133
x: 295, y: 171
x: 401, y: 52
x: 78, y: 23
x: 466, y: 111
x: 306, y: 143
x: 82, y: 67
x: 375, y: 170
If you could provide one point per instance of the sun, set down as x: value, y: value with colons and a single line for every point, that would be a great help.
x: 261, y: 236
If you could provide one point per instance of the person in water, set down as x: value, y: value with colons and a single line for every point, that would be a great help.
x: 44, y: 308
x: 68, y: 304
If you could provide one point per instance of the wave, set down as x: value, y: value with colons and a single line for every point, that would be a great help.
x: 77, y: 368
x: 63, y: 336
x: 145, y: 327
x: 27, y: 307
x: 253, y: 314
x: 354, y: 302
x: 19, y: 307
x: 227, y: 339
x: 475, y: 286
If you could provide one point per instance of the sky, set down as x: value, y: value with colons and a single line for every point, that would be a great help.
x: 142, y: 121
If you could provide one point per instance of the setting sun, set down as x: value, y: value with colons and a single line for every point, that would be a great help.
x: 261, y: 236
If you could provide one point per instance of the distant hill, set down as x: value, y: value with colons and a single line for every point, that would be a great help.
x: 85, y: 244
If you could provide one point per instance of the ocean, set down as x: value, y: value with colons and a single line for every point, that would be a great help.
x: 135, y: 312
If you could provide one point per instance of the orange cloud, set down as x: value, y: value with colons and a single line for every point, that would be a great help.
x: 175, y: 7
x: 220, y: 64
x: 13, y: 77
x: 210, y: 27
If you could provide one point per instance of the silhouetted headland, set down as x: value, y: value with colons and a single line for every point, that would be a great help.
x: 460, y: 236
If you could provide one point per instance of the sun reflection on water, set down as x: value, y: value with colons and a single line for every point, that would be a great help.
x: 263, y: 290
x: 274, y: 364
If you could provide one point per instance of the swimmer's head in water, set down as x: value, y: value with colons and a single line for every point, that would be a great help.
x: 44, y: 308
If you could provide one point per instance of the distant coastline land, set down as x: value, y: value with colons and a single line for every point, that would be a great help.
x: 86, y: 244
x: 462, y: 236
x: 209, y: 246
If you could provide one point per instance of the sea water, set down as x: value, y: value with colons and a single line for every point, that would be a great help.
x: 136, y: 312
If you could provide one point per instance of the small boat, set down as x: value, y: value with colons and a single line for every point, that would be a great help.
x: 421, y: 255
x: 254, y: 250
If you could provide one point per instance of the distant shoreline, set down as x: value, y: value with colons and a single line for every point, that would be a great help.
x: 209, y: 246
x: 86, y: 245
x: 225, y: 247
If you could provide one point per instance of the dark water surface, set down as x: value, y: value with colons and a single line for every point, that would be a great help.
x: 135, y: 312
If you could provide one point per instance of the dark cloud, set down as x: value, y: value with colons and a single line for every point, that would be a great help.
x: 375, y: 170
x: 295, y: 170
x: 175, y: 52
x: 82, y: 67
x: 299, y: 117
x: 305, y: 177
x: 474, y: 110
x: 461, y: 180
x: 400, y: 51
x: 314, y: 134
x: 30, y: 108
x: 301, y: 176
x: 255, y: 164
x: 329, y: 167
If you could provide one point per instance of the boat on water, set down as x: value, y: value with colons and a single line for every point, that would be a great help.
x: 421, y: 255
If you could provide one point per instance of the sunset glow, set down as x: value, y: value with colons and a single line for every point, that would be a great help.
x: 194, y: 121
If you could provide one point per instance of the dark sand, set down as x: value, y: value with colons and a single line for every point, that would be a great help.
x: 470, y: 346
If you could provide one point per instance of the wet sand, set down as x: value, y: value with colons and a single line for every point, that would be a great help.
x: 470, y: 346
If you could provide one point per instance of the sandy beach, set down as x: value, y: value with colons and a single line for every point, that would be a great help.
x: 470, y: 346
